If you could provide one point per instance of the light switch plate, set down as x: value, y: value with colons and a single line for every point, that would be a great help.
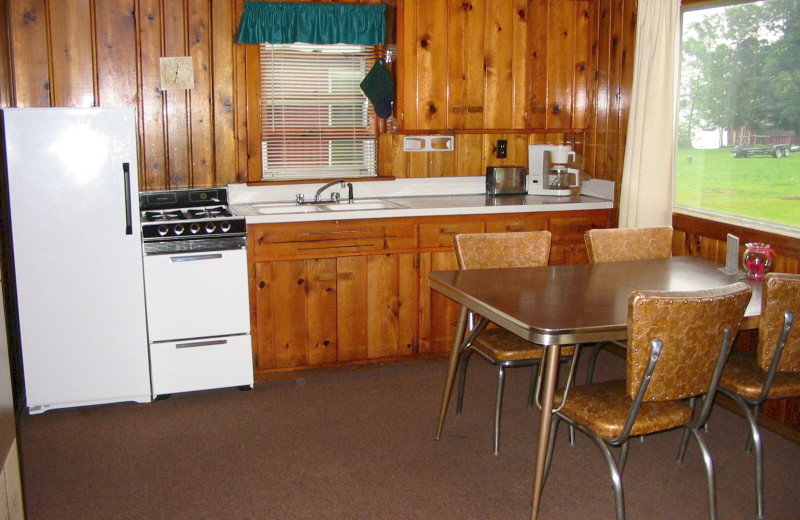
x: 177, y: 72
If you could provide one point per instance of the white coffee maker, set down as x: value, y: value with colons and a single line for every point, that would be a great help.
x: 547, y: 170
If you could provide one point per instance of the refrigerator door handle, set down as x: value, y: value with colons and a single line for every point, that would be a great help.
x: 126, y: 173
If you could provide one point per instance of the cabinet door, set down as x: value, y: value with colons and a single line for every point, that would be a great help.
x: 315, y: 312
x: 438, y: 313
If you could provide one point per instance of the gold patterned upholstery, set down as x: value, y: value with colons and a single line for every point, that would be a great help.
x: 677, y: 344
x: 618, y: 245
x: 497, y: 345
x: 751, y: 379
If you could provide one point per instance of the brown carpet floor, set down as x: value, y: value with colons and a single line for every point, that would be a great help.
x: 358, y: 444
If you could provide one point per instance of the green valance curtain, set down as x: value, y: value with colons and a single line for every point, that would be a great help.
x: 292, y: 22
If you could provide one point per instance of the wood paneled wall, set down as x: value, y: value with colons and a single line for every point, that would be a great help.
x: 106, y: 53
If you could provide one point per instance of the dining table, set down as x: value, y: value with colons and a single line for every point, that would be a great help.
x: 565, y: 305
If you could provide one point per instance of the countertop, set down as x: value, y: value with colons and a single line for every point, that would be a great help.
x: 404, y: 198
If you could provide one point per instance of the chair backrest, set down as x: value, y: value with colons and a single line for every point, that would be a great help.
x: 691, y: 326
x: 618, y: 245
x: 781, y: 293
x: 495, y: 250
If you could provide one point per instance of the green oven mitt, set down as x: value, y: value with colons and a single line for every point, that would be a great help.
x: 379, y: 88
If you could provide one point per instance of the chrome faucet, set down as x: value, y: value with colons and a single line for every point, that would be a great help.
x: 334, y: 196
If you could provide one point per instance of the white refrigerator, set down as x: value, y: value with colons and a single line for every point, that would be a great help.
x: 72, y: 186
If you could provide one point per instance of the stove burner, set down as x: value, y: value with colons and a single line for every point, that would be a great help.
x: 160, y: 215
x: 209, y: 212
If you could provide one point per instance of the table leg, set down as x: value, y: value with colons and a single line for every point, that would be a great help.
x: 553, y: 355
x: 452, y: 367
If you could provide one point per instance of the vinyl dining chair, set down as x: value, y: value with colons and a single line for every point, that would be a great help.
x: 620, y: 245
x: 677, y: 346
x: 498, y: 346
x: 773, y: 371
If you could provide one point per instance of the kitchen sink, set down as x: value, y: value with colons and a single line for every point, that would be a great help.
x: 279, y: 208
x: 362, y: 204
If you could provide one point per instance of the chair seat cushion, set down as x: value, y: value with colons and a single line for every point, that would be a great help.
x: 603, y: 408
x: 743, y: 376
x: 503, y: 345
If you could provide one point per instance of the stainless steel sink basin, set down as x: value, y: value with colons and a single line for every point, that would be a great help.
x: 279, y: 208
x: 362, y: 205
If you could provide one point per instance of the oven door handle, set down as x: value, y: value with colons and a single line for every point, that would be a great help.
x: 126, y: 175
x: 193, y: 258
x: 195, y: 344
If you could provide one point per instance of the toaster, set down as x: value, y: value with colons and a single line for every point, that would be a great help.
x: 506, y: 180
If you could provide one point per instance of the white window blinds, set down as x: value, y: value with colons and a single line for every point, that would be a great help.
x: 315, y: 120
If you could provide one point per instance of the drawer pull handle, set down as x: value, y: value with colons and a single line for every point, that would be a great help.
x: 343, y: 232
x: 195, y: 344
x: 194, y: 258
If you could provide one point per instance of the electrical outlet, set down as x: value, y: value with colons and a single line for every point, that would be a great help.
x: 502, y: 148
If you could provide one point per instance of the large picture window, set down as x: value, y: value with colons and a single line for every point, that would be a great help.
x: 315, y: 120
x: 739, y: 113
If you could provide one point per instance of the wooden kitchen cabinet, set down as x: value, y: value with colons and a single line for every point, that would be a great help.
x: 341, y: 292
x: 493, y: 64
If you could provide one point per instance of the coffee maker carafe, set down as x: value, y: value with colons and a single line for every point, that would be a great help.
x: 547, y: 170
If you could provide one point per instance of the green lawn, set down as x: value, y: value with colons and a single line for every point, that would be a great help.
x: 761, y: 187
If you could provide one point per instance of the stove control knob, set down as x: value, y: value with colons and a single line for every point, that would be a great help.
x: 162, y: 230
x: 225, y: 227
x: 178, y: 229
x: 194, y: 228
x: 210, y: 227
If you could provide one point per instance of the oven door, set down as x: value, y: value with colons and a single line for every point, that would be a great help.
x: 196, y: 295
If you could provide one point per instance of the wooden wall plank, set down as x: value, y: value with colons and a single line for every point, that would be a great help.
x: 115, y: 30
x: 6, y: 91
x: 537, y: 68
x: 29, y: 53
x: 176, y: 102
x: 580, y: 88
x: 561, y: 33
x: 406, y: 62
x: 153, y: 165
x: 470, y: 158
x: 465, y: 34
x: 200, y: 98
x: 321, y: 310
x: 431, y: 45
x: 351, y: 295
x: 72, y: 73
x: 498, y: 64
x: 519, y: 73
x: 223, y: 26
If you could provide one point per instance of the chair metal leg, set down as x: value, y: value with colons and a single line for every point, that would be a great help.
x: 616, y: 477
x: 756, y: 413
x: 592, y: 361
x: 498, y: 406
x: 623, y: 457
x: 462, y: 378
x: 532, y: 386
x: 709, y: 463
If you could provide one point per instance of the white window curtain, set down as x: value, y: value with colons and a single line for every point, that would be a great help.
x: 647, y: 180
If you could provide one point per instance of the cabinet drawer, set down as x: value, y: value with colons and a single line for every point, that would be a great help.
x: 572, y: 229
x: 514, y: 225
x: 323, y: 238
x: 201, y: 364
x: 441, y: 234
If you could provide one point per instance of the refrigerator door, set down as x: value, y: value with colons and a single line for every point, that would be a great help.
x: 72, y: 182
